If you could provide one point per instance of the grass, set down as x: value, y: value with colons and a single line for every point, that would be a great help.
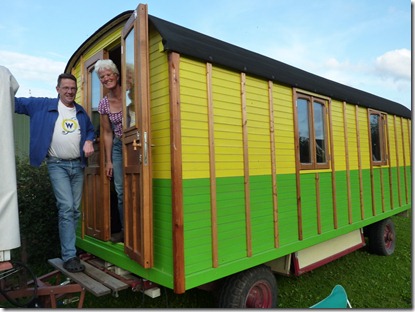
x: 370, y: 281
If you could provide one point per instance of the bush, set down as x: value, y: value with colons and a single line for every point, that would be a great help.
x: 38, y: 215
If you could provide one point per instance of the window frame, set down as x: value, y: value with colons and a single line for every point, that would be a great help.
x: 383, y: 121
x: 311, y: 100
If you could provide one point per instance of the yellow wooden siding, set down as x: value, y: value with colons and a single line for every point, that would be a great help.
x: 400, y: 142
x: 339, y: 152
x: 160, y: 109
x: 226, y: 94
x: 258, y: 126
x: 392, y: 141
x: 407, y: 140
x: 194, y: 119
x: 364, y: 137
x: 284, y: 129
x: 352, y: 137
x: 227, y: 123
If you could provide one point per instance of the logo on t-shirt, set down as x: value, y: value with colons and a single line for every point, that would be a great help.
x: 69, y: 125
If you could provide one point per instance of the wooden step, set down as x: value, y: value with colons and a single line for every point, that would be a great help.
x: 92, y: 279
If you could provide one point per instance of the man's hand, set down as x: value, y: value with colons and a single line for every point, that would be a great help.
x: 88, y: 148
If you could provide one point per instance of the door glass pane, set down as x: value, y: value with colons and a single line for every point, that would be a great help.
x: 130, y: 74
x: 319, y: 133
x: 95, y: 98
x: 304, y: 130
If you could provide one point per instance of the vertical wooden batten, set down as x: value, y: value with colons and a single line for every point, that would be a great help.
x: 397, y: 161
x: 359, y: 161
x: 273, y: 164
x: 212, y: 167
x: 333, y: 167
x: 297, y: 169
x: 176, y: 174
x: 389, y: 167
x: 404, y: 161
x: 347, y: 160
x: 246, y: 166
x: 372, y: 181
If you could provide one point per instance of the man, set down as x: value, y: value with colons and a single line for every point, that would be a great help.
x: 62, y: 133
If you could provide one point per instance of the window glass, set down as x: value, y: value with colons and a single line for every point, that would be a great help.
x: 319, y: 132
x: 375, y: 137
x: 95, y: 90
x: 95, y: 96
x: 304, y: 130
x: 130, y: 74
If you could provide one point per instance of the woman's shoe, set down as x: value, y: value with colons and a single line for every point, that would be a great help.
x: 117, y: 237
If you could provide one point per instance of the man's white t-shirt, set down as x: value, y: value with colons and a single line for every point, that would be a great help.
x: 67, y: 134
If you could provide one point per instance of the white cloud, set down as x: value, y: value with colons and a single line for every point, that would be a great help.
x: 32, y: 73
x: 395, y: 64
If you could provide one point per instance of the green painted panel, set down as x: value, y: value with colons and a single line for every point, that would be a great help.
x: 262, y: 221
x: 308, y: 205
x: 367, y: 195
x: 326, y: 202
x: 287, y: 209
x: 162, y: 223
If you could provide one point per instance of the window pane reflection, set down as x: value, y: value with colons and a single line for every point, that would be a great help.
x: 95, y: 98
x: 319, y: 133
x: 130, y: 74
x: 304, y: 130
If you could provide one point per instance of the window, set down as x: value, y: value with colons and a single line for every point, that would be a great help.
x: 377, y: 121
x: 93, y: 92
x: 312, y: 132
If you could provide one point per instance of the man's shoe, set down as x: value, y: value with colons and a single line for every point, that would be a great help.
x: 117, y: 237
x: 73, y: 265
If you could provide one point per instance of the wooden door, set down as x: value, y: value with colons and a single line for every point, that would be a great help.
x: 96, y: 197
x: 138, y: 218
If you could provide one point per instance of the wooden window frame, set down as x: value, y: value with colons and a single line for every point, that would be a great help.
x: 311, y: 99
x: 383, y: 120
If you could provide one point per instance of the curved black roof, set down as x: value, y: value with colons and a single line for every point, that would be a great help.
x: 194, y: 44
x: 199, y: 46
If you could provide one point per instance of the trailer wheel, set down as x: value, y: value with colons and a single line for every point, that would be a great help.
x: 382, y: 237
x: 253, y: 288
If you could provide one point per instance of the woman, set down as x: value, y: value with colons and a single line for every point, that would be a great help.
x: 110, y: 108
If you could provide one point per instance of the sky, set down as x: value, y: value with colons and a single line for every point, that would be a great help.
x: 362, y: 44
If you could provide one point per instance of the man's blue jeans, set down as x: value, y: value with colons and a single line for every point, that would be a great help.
x: 118, y: 176
x: 67, y: 178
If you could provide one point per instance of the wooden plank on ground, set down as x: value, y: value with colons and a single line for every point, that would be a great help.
x: 104, y: 278
x: 93, y: 286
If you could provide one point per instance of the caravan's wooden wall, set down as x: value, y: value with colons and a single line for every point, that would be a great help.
x: 237, y: 133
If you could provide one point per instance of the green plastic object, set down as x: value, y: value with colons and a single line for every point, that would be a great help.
x: 336, y: 300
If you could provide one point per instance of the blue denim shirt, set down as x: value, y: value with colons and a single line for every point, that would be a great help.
x: 43, y: 113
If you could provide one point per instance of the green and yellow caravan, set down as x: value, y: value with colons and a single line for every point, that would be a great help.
x: 236, y: 165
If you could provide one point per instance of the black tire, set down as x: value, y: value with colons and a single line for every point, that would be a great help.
x: 14, y: 285
x: 253, y: 288
x: 382, y: 237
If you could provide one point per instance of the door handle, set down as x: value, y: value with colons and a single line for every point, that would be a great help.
x: 145, y: 149
x: 135, y: 144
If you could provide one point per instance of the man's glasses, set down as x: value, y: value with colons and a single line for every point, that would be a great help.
x: 66, y: 89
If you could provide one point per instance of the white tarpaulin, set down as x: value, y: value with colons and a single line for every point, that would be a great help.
x: 9, y: 214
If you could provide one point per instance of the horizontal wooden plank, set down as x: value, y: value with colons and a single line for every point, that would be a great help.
x: 106, y: 279
x: 90, y: 284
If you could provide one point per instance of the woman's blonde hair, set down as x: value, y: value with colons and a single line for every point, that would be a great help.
x: 106, y: 64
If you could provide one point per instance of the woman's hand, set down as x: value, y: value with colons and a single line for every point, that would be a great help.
x: 108, y: 169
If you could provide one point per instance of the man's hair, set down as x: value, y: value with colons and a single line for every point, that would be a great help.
x: 65, y: 76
